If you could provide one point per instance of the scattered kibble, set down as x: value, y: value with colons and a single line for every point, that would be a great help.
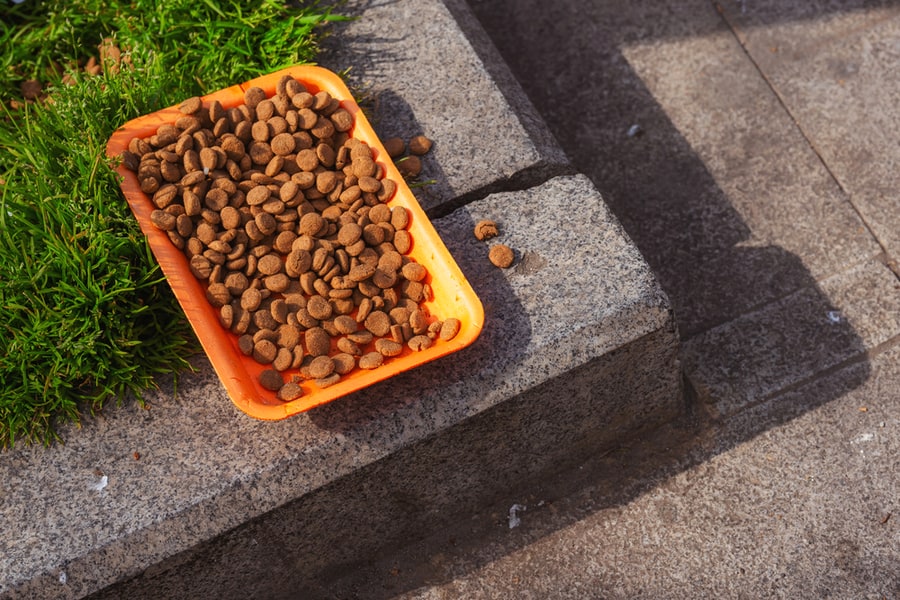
x: 501, y: 256
x: 283, y: 215
x: 419, y: 145
x: 395, y: 147
x: 409, y: 166
x: 486, y: 229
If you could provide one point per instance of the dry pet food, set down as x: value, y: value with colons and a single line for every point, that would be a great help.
x: 284, y: 216
x: 501, y: 255
x: 486, y: 229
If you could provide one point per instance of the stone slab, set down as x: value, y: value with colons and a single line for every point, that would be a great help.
x: 834, y: 67
x: 458, y: 92
x: 796, y: 339
x: 794, y: 498
x: 579, y: 349
x: 715, y: 183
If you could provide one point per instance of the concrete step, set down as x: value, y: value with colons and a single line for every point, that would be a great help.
x: 191, y: 497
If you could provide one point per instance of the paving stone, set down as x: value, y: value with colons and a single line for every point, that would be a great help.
x: 795, y: 339
x: 579, y: 349
x: 794, y: 498
x: 834, y: 67
x: 716, y: 185
x: 487, y: 135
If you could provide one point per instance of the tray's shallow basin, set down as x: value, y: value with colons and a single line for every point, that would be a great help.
x: 452, y: 295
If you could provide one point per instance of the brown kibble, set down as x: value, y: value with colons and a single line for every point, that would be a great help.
x: 342, y: 120
x: 253, y: 96
x: 283, y: 360
x: 324, y: 382
x: 271, y: 380
x: 245, y: 344
x: 163, y: 220
x: 190, y: 106
x: 270, y: 264
x: 449, y: 329
x: 251, y: 299
x: 387, y: 347
x: 283, y: 144
x: 318, y: 342
x: 409, y: 166
x: 399, y: 218
x: 218, y: 295
x: 345, y: 324
x: 486, y: 229
x: 290, y: 391
x: 419, y: 145
x: 321, y: 366
x: 319, y: 308
x: 371, y: 360
x: 402, y: 241
x: 395, y: 147
x: 378, y: 323
x: 343, y: 363
x: 413, y: 271
x: 264, y: 351
x: 32, y: 89
x: 501, y: 256
x: 419, y: 342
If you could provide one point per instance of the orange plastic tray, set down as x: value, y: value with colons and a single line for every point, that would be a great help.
x: 452, y: 294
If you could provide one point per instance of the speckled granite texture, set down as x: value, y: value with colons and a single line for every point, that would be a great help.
x: 579, y: 348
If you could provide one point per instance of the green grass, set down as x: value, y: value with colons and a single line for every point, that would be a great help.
x: 85, y: 315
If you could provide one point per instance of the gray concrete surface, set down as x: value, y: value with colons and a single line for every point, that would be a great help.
x: 749, y: 149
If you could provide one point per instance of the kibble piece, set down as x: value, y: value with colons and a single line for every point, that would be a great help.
x: 418, y: 343
x: 324, y: 382
x: 321, y: 366
x: 420, y: 145
x: 343, y: 363
x: 342, y: 120
x: 264, y: 351
x: 270, y: 264
x: 271, y: 380
x: 371, y: 360
x: 501, y: 256
x: 245, y: 344
x: 163, y: 220
x: 486, y: 229
x: 378, y: 323
x: 449, y: 329
x: 395, y: 147
x: 190, y: 106
x: 319, y: 308
x: 218, y: 295
x: 253, y: 96
x: 413, y: 271
x: 409, y: 166
x: 318, y: 342
x: 345, y: 324
x: 226, y: 316
x: 290, y: 391
x: 388, y: 347
x: 402, y: 241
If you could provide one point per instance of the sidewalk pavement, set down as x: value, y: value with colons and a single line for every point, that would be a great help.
x: 750, y: 149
